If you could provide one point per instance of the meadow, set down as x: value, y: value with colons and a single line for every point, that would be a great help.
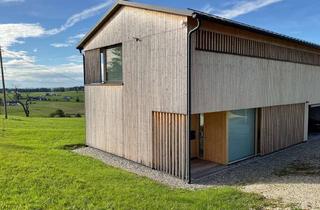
x: 72, y: 106
x: 38, y: 171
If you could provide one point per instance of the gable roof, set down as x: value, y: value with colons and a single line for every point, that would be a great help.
x: 115, y: 8
x: 188, y: 13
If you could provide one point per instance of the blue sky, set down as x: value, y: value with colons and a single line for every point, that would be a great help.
x: 39, y: 37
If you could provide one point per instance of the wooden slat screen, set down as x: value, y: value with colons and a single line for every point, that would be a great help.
x: 217, y: 42
x: 92, y: 67
x: 170, y: 149
x: 280, y: 127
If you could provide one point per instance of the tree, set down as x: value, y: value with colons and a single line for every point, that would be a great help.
x: 115, y: 64
x: 25, y: 104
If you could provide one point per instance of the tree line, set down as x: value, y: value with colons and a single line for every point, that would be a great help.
x: 58, y: 89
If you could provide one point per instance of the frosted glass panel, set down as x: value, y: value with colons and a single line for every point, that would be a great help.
x: 241, y: 129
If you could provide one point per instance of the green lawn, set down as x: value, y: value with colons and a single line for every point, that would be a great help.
x: 37, y: 173
x: 60, y: 96
x: 45, y: 108
x: 57, y: 96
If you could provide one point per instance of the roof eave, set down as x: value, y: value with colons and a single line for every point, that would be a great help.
x: 253, y: 29
x: 189, y: 12
x: 104, y: 19
x: 115, y: 8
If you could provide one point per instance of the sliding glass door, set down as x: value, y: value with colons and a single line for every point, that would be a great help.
x: 241, y: 134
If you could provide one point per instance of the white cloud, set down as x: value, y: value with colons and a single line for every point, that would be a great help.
x: 75, y: 58
x: 240, y: 8
x: 30, y: 74
x: 59, y: 45
x: 9, y: 1
x: 71, y: 21
x: 22, y: 68
x: 207, y: 9
x: 70, y: 41
x: 13, y: 33
x: 15, y: 56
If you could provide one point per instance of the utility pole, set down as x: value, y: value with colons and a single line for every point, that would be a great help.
x: 3, y: 86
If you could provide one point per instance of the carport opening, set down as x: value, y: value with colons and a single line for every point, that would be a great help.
x: 314, y: 122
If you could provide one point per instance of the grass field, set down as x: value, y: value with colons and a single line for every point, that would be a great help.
x: 45, y: 108
x: 36, y: 172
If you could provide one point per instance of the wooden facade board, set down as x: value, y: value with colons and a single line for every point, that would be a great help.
x: 223, y: 82
x: 104, y: 119
x: 154, y: 78
x: 92, y: 67
x: 281, y: 126
x: 253, y: 48
x: 247, y: 34
x: 169, y: 144
x: 215, y: 131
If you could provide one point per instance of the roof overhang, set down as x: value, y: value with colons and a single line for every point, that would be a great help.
x: 117, y: 6
x: 188, y: 13
x: 244, y: 26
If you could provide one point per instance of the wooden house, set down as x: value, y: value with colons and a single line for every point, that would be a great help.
x: 176, y: 90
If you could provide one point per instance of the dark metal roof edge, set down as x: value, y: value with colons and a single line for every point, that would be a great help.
x: 189, y: 12
x: 185, y: 12
x: 120, y: 3
x: 100, y: 23
x: 253, y: 28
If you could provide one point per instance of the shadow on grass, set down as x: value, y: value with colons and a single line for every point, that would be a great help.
x: 72, y: 146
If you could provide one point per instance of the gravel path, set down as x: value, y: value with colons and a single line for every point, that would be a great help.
x: 304, y: 191
x: 136, y: 168
x: 276, y: 176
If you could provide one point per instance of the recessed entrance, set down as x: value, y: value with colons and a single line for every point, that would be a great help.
x: 221, y: 138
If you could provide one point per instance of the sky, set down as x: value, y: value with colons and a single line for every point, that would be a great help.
x: 39, y: 37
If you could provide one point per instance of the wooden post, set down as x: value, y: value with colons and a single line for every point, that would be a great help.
x: 306, y: 121
x: 4, y: 87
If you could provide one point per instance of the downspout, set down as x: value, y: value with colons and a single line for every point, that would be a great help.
x: 84, y: 65
x: 189, y: 58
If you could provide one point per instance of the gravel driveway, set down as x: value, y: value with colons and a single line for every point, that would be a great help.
x: 291, y: 175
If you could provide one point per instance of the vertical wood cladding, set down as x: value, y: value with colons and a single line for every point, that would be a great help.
x: 170, y: 149
x: 215, y: 131
x: 92, y: 67
x: 230, y: 82
x: 281, y: 126
x: 104, y: 119
x: 154, y: 78
x: 223, y: 43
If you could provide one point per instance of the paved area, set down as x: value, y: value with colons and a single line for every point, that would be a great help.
x: 291, y: 175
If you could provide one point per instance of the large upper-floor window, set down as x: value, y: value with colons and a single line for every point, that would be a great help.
x: 111, y: 64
